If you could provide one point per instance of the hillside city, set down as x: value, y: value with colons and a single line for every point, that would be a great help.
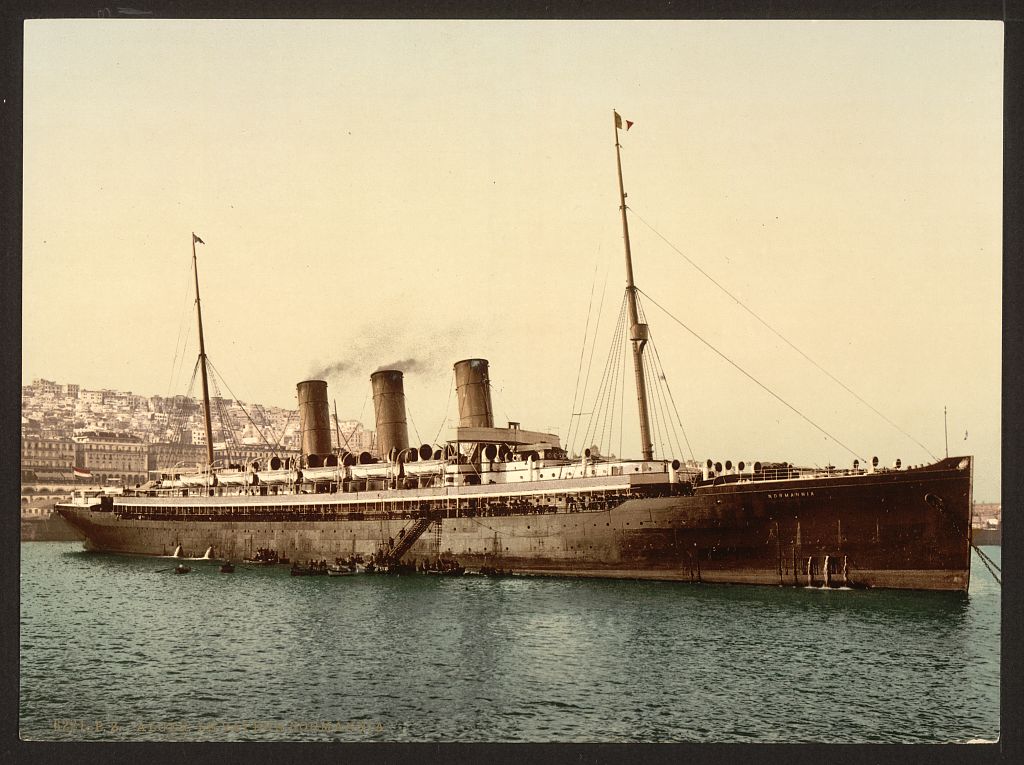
x: 120, y: 436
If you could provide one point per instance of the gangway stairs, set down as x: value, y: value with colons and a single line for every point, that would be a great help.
x: 392, y: 555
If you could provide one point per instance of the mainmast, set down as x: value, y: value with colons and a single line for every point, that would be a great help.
x: 638, y: 333
x: 202, y: 358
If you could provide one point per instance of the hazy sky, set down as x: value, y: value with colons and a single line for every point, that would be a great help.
x: 427, y: 191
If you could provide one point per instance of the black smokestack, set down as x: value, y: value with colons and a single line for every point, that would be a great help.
x: 389, y: 408
x: 473, y: 385
x: 314, y: 417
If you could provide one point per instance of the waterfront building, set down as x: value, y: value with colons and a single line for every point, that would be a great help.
x: 163, y: 455
x: 112, y: 457
x: 46, y: 460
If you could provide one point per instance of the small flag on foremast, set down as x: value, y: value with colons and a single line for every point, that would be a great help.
x: 965, y: 435
x: 82, y: 473
x: 197, y: 240
x: 618, y: 122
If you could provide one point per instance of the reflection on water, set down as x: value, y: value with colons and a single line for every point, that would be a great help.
x: 261, y: 655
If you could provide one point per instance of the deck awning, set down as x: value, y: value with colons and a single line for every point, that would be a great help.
x: 505, y: 436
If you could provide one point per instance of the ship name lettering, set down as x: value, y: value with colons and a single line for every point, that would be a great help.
x: 788, y: 494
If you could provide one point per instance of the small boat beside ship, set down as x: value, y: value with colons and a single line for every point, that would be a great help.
x: 498, y: 499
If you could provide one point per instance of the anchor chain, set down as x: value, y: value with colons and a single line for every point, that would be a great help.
x: 937, y: 502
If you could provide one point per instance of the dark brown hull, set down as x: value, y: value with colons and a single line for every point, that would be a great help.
x: 905, y: 529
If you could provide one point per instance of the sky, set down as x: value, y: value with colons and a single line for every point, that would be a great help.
x: 412, y: 193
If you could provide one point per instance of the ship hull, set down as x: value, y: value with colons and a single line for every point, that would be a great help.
x: 896, y: 529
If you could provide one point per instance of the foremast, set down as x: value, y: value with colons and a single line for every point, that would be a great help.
x: 202, y: 358
x: 638, y: 333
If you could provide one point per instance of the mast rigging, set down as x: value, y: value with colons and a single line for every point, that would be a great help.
x: 202, y: 358
x: 637, y: 332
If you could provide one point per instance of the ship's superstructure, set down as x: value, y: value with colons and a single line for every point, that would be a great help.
x: 514, y: 499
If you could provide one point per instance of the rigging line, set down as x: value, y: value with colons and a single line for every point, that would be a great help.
x: 583, y: 347
x: 595, y: 410
x: 622, y: 390
x: 613, y: 389
x: 183, y: 416
x: 361, y: 412
x: 664, y: 424
x: 745, y: 372
x: 661, y: 424
x: 778, y: 334
x: 228, y: 432
x: 662, y: 403
x: 617, y: 387
x: 178, y: 360
x: 672, y: 398
x: 238, y: 401
x: 408, y: 410
x: 279, y: 445
x: 275, y: 445
x: 446, y: 406
x: 347, y: 438
x: 663, y: 378
x: 657, y: 436
x: 593, y: 347
x: 496, y: 395
x: 602, y: 392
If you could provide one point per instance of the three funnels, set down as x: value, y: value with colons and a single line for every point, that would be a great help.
x: 472, y: 383
x: 473, y: 386
x: 314, y: 421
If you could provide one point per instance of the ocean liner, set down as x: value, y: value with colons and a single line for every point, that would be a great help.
x: 512, y: 499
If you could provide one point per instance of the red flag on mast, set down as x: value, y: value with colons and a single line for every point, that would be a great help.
x: 618, y: 122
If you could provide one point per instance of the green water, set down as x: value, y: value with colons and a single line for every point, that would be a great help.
x: 119, y: 648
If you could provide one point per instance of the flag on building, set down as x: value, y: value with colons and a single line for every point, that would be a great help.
x: 82, y: 473
x: 197, y: 240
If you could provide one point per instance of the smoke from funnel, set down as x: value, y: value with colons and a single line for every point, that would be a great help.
x: 333, y: 370
x: 402, y: 365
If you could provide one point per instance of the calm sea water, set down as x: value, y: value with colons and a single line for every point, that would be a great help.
x: 118, y: 648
